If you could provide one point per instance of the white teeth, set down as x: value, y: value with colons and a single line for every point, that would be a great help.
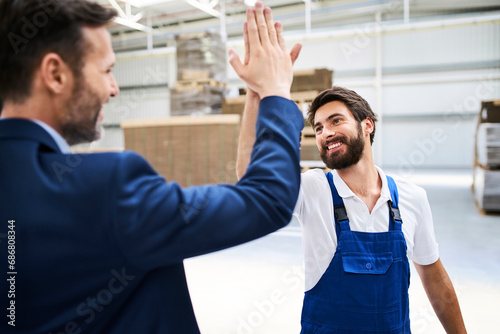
x: 333, y: 146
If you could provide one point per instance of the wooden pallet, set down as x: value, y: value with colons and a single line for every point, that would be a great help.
x: 190, y: 75
x: 308, y: 136
x: 186, y: 85
x: 304, y: 100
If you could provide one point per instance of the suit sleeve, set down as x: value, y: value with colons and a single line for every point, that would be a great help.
x: 159, y: 223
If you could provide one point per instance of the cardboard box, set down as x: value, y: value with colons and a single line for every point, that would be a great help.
x: 202, y: 97
x: 234, y: 105
x: 312, y: 80
x: 488, y: 145
x: 308, y: 149
x: 200, y: 52
x: 490, y: 112
x: 191, y: 150
x: 487, y: 189
x: 195, y: 75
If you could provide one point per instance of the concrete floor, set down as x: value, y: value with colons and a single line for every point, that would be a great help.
x: 257, y: 288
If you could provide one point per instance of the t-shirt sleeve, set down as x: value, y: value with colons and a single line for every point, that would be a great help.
x: 425, y: 250
x: 299, y: 206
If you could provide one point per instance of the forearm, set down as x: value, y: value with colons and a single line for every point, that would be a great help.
x: 442, y: 296
x: 247, y: 133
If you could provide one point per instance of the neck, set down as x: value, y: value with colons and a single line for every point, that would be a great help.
x: 30, y: 109
x: 363, y: 180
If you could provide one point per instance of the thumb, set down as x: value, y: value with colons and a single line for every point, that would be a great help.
x: 235, y: 62
x: 294, y: 53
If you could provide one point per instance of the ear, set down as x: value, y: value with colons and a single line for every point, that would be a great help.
x: 368, y: 125
x: 55, y: 73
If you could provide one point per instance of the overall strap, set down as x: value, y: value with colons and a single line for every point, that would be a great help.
x: 395, y: 221
x: 339, y: 212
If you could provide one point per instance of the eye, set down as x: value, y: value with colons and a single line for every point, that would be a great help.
x: 318, y: 129
x: 336, y: 120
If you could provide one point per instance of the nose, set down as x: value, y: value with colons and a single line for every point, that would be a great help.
x: 114, y: 87
x: 328, y: 133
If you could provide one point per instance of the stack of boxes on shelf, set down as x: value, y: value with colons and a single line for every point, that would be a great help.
x: 487, y: 158
x: 195, y: 146
x: 305, y: 87
x: 201, y: 73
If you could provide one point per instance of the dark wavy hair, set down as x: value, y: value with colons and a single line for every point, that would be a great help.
x: 29, y: 29
x: 359, y: 108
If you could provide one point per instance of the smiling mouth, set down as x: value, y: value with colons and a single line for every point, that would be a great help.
x: 334, y: 145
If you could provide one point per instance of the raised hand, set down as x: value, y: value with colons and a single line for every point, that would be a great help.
x: 267, y: 67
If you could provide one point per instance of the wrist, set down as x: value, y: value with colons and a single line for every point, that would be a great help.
x: 281, y: 93
x: 252, y: 95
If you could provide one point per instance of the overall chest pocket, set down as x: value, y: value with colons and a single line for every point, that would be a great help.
x: 372, y: 264
x: 370, y: 282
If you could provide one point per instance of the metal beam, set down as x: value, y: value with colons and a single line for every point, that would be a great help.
x: 127, y: 19
x: 205, y: 6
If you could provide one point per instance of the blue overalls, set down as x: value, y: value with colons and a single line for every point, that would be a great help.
x: 365, y: 288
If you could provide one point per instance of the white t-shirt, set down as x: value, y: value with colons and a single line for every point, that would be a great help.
x: 314, y: 210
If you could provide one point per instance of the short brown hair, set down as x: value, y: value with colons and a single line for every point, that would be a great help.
x: 359, y: 108
x: 29, y: 29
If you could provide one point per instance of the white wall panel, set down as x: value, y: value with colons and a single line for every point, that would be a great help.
x: 141, y: 71
x: 138, y: 104
x: 439, y: 98
x: 470, y: 43
x: 409, y: 146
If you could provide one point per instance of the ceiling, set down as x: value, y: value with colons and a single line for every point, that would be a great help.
x: 161, y: 20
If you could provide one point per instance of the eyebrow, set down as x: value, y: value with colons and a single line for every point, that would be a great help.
x: 327, y: 119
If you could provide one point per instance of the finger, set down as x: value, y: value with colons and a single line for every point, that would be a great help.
x: 294, y: 54
x: 253, y: 32
x: 279, y: 34
x: 270, y: 25
x: 247, y: 44
x: 261, y: 23
x: 235, y: 62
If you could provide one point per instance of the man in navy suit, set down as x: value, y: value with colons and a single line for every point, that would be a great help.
x: 94, y: 243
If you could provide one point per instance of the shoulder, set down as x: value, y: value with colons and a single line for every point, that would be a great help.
x: 409, y: 191
x: 110, y: 165
x: 313, y: 178
x: 107, y: 160
x: 313, y: 185
x: 413, y: 202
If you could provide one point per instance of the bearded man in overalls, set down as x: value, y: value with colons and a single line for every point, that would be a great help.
x: 360, y: 228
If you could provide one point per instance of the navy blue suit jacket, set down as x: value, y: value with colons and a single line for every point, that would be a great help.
x: 100, y: 238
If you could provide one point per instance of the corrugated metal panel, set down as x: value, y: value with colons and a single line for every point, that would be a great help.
x: 141, y: 71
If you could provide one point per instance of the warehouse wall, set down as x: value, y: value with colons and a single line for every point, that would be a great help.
x: 432, y: 82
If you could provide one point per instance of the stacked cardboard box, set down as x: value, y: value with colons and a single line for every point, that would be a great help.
x: 487, y: 158
x: 310, y: 80
x: 201, y: 97
x: 191, y: 150
x: 488, y: 145
x: 201, y: 71
x: 235, y: 105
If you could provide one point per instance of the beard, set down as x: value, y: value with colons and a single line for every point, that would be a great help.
x: 81, y: 123
x: 354, y: 151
